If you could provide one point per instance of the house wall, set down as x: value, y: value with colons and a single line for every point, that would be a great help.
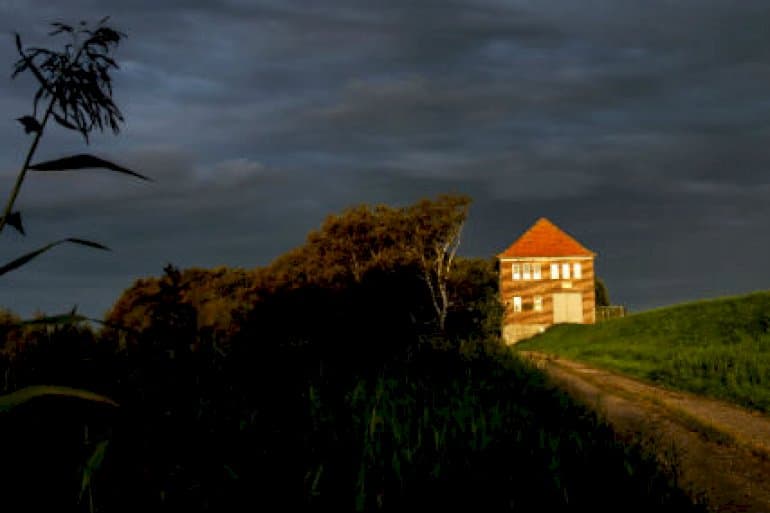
x: 528, y: 322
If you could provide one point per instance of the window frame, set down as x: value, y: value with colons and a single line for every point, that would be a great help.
x: 526, y: 271
x: 516, y: 303
x: 537, y: 304
x: 565, y: 271
x: 536, y: 271
x: 554, y: 275
x: 577, y: 271
x: 516, y: 271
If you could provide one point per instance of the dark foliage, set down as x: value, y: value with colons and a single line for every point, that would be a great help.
x: 334, y: 384
x: 77, y: 79
x: 326, y: 399
x: 602, y: 294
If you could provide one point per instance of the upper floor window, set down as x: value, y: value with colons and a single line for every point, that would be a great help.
x: 565, y: 271
x: 577, y: 271
x: 527, y: 272
x: 554, y: 271
x: 516, y: 271
x: 536, y: 272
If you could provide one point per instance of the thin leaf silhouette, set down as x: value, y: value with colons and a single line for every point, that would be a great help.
x: 63, y: 122
x: 14, y: 220
x: 14, y: 399
x: 31, y: 124
x: 15, y: 264
x: 77, y: 80
x: 82, y: 161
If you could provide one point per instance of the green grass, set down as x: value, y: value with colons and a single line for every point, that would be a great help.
x: 719, y: 348
x: 484, y: 434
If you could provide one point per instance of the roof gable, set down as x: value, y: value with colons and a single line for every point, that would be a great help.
x: 545, y: 239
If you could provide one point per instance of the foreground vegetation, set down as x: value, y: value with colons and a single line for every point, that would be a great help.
x: 326, y: 390
x: 719, y: 348
x: 469, y: 427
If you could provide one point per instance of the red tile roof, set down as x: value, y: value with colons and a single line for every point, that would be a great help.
x: 545, y: 239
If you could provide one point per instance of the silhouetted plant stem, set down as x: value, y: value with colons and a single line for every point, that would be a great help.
x: 33, y: 148
x: 80, y: 89
x: 25, y: 166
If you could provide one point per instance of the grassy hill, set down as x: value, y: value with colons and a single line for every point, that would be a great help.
x: 719, y: 348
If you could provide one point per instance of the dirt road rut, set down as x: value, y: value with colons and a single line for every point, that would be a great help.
x: 722, y: 451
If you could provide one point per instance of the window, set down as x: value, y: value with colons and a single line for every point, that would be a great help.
x: 516, y: 272
x: 527, y: 271
x: 538, y: 303
x: 565, y: 271
x: 554, y: 271
x: 517, y: 304
x: 577, y: 271
x: 536, y: 272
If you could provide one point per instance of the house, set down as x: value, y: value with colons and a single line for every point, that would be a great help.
x: 546, y: 278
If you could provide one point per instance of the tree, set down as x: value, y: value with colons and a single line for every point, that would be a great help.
x: 602, y: 294
x: 476, y: 311
x: 174, y: 322
x: 360, y: 239
x: 434, y: 231
x: 363, y: 239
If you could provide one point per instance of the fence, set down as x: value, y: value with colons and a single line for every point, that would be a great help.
x: 604, y: 313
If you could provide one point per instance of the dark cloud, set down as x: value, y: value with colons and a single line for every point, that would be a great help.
x: 639, y: 126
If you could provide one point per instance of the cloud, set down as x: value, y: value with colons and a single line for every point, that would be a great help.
x: 641, y: 126
x: 233, y: 172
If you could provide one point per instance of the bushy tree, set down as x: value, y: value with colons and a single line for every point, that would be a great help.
x: 424, y: 236
x: 476, y: 311
x: 213, y: 294
x: 602, y: 294
x: 434, y: 230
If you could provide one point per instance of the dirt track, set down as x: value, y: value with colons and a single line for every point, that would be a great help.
x: 722, y: 451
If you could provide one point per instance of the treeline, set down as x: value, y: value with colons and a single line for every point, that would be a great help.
x: 361, y: 371
x: 387, y: 274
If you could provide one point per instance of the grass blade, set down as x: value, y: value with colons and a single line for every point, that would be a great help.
x: 67, y: 318
x: 88, y: 243
x: 74, y: 318
x: 82, y: 161
x: 64, y: 122
x: 15, y: 264
x: 12, y: 400
x: 90, y: 469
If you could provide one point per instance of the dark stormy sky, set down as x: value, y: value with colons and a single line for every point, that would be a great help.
x: 642, y: 127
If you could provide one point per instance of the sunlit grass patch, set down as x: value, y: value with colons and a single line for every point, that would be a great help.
x: 719, y: 348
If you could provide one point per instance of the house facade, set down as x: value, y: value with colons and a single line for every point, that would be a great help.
x: 546, y: 278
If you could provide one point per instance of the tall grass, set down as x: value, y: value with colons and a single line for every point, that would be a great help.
x: 482, y: 433
x: 719, y: 348
x: 207, y: 431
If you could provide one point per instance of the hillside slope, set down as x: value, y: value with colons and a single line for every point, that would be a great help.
x: 719, y: 348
